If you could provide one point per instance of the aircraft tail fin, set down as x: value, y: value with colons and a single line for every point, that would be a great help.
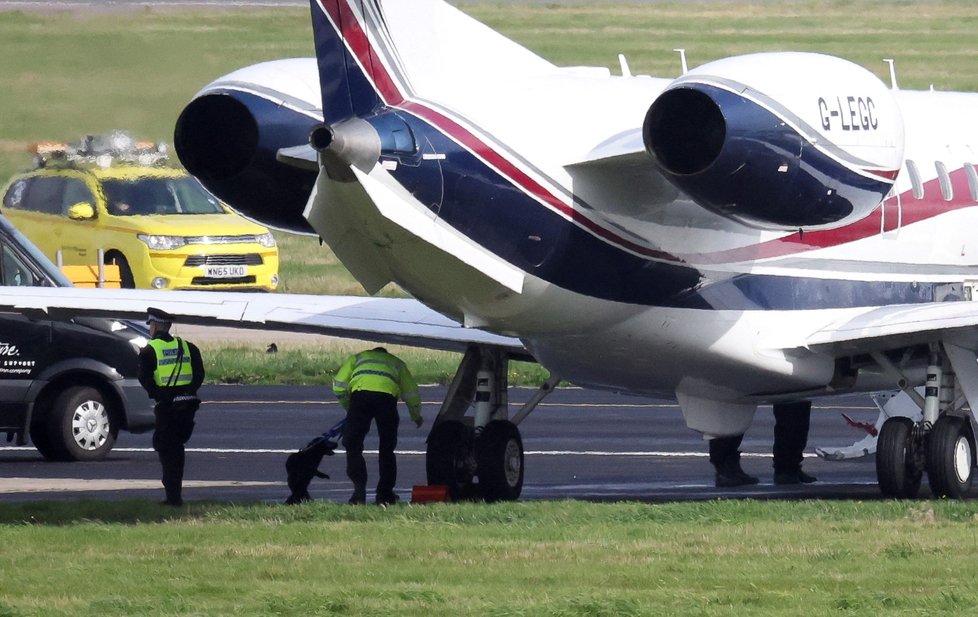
x: 345, y: 59
x: 374, y: 53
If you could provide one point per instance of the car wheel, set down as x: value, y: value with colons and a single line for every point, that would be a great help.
x: 125, y: 272
x: 80, y: 426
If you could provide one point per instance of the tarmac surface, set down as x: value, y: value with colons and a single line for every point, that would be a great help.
x: 580, y: 445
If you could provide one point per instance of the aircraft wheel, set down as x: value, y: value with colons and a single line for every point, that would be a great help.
x: 449, y: 458
x: 949, y: 458
x: 896, y: 471
x: 501, y: 461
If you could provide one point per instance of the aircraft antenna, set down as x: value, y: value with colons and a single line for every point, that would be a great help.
x: 623, y: 62
x: 893, y: 81
x: 682, y: 59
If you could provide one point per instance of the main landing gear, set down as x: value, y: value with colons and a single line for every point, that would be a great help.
x: 480, y: 456
x: 943, y: 442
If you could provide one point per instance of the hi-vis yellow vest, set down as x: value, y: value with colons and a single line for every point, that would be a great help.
x: 377, y: 371
x: 166, y: 374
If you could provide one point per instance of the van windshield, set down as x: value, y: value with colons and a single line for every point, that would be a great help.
x: 148, y: 196
x: 50, y: 272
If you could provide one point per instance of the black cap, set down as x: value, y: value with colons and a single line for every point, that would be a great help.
x: 158, y: 315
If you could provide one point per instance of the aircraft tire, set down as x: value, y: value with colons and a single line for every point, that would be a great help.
x: 950, y: 458
x: 896, y: 472
x: 447, y: 459
x: 500, y: 452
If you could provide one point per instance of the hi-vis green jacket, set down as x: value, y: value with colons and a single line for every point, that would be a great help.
x: 376, y: 370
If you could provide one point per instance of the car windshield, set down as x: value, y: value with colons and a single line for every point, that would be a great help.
x: 143, y: 196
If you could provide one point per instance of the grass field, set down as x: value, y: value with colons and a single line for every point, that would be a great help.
x: 315, y: 364
x: 726, y: 558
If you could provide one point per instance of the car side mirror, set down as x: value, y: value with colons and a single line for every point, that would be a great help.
x: 81, y: 211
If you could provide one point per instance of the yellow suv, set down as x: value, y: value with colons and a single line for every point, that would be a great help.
x: 111, y: 200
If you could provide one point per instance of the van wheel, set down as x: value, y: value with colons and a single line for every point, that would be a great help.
x: 125, y: 272
x: 42, y: 440
x: 79, y: 426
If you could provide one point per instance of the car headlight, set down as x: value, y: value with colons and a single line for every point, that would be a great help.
x: 163, y: 243
x: 266, y: 240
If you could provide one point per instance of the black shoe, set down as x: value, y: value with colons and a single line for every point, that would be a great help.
x: 793, y: 477
x: 735, y: 478
x: 386, y: 499
x: 359, y: 497
x: 805, y: 478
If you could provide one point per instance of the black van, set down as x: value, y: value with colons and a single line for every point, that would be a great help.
x: 71, y: 385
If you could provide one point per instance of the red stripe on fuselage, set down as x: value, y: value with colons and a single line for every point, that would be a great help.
x: 516, y: 175
x: 913, y: 210
x: 359, y: 45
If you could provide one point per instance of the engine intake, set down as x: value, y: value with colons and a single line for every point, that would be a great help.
x: 781, y: 141
x: 228, y: 139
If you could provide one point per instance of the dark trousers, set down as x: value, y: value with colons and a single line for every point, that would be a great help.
x: 174, y: 426
x: 366, y: 407
x: 791, y: 422
x: 725, y: 453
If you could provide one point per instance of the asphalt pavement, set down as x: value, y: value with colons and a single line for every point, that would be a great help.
x: 580, y: 444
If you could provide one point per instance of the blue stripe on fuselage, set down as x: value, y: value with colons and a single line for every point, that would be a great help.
x: 493, y: 212
x: 489, y: 209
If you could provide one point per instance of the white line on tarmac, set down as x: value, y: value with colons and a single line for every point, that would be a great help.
x: 55, y: 485
x: 627, y: 453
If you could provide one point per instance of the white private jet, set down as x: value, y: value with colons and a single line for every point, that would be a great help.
x: 763, y: 229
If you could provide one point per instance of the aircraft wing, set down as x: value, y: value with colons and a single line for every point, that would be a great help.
x: 399, y: 321
x: 897, y: 326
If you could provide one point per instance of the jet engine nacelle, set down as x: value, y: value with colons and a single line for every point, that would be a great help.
x: 779, y: 140
x: 229, y: 134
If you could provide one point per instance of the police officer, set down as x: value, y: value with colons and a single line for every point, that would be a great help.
x: 171, y: 371
x: 368, y: 386
x: 791, y: 423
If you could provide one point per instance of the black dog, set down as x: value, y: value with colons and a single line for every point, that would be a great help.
x: 303, y: 466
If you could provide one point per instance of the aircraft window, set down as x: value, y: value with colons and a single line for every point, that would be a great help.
x: 45, y: 195
x: 918, y: 187
x: 972, y: 174
x: 14, y: 271
x: 947, y: 191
